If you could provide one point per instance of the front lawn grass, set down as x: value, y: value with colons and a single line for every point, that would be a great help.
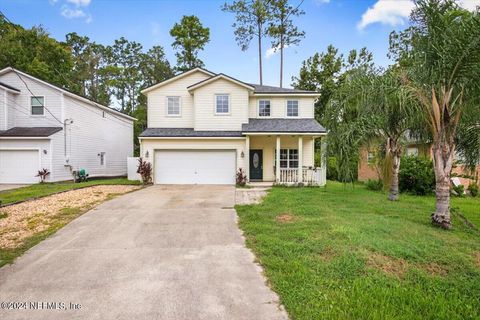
x: 348, y: 253
x: 45, y: 189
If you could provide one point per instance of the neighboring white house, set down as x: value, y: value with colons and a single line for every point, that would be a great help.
x: 203, y: 127
x: 44, y: 126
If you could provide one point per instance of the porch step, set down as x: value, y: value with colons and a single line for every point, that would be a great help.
x: 260, y: 184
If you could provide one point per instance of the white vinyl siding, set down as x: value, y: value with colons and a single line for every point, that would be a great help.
x: 292, y: 108
x: 264, y: 108
x: 19, y: 110
x: 206, y: 117
x: 278, y: 106
x: 222, y: 104
x: 156, y: 101
x: 173, y: 106
x: 92, y: 132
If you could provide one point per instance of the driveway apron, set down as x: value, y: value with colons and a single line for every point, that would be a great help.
x: 164, y: 252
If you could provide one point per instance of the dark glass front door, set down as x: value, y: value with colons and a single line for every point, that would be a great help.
x: 256, y: 164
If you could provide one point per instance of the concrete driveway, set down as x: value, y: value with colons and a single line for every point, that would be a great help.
x: 164, y: 252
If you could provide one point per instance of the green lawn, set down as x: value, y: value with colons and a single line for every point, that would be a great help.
x: 348, y: 253
x: 45, y: 189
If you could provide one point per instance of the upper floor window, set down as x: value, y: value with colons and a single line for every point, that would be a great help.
x: 173, y: 106
x: 264, y: 108
x: 222, y: 104
x: 37, y: 105
x: 292, y: 108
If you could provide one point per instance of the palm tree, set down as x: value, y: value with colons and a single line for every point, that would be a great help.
x: 392, y: 110
x: 441, y: 52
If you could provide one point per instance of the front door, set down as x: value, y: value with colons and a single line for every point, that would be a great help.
x: 256, y: 164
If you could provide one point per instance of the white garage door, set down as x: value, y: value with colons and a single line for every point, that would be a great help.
x: 18, y: 166
x: 195, y: 166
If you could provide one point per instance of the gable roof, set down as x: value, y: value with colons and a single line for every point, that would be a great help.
x: 176, y: 77
x: 217, y: 77
x: 8, y: 87
x: 67, y: 93
x: 30, y: 131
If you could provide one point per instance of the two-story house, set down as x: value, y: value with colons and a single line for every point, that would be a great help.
x: 43, y: 126
x: 204, y: 127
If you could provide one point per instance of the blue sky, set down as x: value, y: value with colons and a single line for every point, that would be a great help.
x: 346, y: 24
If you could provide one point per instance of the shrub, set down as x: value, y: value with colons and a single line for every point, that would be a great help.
x: 459, y: 190
x: 375, y: 185
x: 332, y: 172
x: 473, y: 189
x: 145, y: 171
x: 241, y: 178
x: 43, y: 174
x: 416, y: 175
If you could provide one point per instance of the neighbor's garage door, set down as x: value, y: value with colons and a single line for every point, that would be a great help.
x: 195, y: 166
x: 18, y: 166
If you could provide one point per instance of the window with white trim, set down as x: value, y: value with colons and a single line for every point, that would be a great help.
x: 222, y: 103
x: 288, y: 158
x: 173, y: 106
x: 292, y: 108
x: 264, y: 108
x: 37, y: 106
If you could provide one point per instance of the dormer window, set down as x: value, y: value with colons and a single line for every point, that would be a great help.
x: 37, y: 106
x: 173, y: 106
x: 222, y: 104
x: 292, y: 108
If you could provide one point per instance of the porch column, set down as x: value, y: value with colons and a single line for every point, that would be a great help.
x: 247, y: 157
x: 277, y: 160
x: 300, y: 159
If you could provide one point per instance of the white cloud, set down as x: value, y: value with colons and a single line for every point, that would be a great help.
x: 273, y: 51
x: 75, y: 9
x: 396, y: 12
x: 390, y: 12
x: 80, y: 3
x: 70, y: 13
x: 322, y: 1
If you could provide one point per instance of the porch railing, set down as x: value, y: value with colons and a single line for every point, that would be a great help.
x: 310, y: 176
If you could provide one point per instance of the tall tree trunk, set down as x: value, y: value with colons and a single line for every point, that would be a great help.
x: 281, y: 61
x: 443, y: 161
x: 260, y: 53
x: 395, y: 151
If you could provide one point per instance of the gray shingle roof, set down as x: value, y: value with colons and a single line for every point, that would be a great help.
x: 187, y: 132
x: 30, y: 131
x: 269, y: 89
x: 283, y: 125
x: 3, y: 84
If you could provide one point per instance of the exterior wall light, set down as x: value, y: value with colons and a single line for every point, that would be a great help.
x: 147, y: 154
x: 242, y: 154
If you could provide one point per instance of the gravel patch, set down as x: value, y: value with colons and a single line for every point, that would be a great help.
x: 21, y: 221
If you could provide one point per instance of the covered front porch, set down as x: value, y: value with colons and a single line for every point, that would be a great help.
x: 285, y: 158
